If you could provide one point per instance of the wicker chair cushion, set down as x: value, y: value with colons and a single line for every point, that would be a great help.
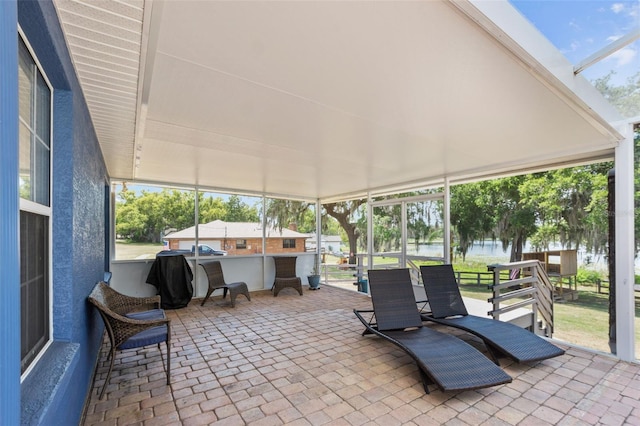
x: 150, y: 336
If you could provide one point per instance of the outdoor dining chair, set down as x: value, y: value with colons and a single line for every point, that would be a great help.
x: 216, y: 281
x: 286, y: 275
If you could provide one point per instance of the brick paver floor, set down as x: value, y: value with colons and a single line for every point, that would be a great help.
x: 303, y: 361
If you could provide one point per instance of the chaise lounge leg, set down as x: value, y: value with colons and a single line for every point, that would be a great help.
x: 494, y: 354
x: 426, y: 381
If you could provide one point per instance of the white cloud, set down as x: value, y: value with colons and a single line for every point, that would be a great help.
x: 630, y: 10
x: 624, y: 56
x: 574, y: 25
x: 617, y: 7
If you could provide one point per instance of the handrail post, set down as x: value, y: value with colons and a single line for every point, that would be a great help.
x: 536, y: 284
x: 496, y: 293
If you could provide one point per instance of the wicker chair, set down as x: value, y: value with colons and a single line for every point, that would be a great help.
x: 286, y: 275
x: 131, y: 322
x: 216, y: 281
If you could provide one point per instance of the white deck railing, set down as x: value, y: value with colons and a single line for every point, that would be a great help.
x: 530, y: 289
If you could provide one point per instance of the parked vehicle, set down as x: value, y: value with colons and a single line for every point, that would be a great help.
x: 205, y: 250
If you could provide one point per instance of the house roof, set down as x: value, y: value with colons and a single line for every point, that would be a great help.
x: 328, y: 99
x: 219, y: 229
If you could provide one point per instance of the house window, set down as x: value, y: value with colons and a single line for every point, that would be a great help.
x: 241, y: 244
x: 35, y: 206
x: 289, y: 243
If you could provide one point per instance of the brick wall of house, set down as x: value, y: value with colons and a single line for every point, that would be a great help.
x: 253, y: 246
x: 274, y: 245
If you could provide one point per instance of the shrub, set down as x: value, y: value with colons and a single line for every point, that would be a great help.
x: 588, y: 276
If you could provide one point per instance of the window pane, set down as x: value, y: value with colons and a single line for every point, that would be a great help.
x: 25, y: 85
x: 42, y: 174
x: 289, y: 225
x: 228, y: 223
x: 43, y: 108
x: 25, y: 162
x: 424, y: 229
x: 42, y: 143
x: 387, y: 235
x: 145, y: 214
x: 34, y: 285
x: 35, y: 126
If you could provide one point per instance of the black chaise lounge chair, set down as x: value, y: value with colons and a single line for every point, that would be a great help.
x: 501, y: 338
x: 443, y: 360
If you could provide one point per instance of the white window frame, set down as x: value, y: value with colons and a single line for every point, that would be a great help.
x: 40, y: 209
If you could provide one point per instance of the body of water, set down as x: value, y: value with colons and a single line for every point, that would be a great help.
x: 492, y: 251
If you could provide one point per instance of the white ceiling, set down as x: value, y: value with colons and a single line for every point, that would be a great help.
x: 322, y: 99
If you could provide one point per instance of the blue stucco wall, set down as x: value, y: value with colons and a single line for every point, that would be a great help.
x: 55, y: 392
x: 9, y: 205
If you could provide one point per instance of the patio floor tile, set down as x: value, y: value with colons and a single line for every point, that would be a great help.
x: 303, y: 361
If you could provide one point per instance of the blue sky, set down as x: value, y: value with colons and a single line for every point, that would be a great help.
x: 579, y: 28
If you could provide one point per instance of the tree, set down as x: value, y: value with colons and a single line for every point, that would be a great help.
x: 282, y: 213
x: 386, y: 228
x: 238, y: 211
x: 147, y: 215
x: 344, y: 213
x: 472, y: 216
x: 625, y: 98
x: 515, y: 218
x: 570, y: 205
x: 210, y: 208
x: 421, y: 226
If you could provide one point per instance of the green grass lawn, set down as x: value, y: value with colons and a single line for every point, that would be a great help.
x: 129, y: 251
x: 583, y: 322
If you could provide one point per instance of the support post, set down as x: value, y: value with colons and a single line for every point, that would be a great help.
x: 624, y: 247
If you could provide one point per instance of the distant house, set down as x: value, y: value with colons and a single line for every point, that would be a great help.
x: 328, y: 243
x: 238, y: 238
